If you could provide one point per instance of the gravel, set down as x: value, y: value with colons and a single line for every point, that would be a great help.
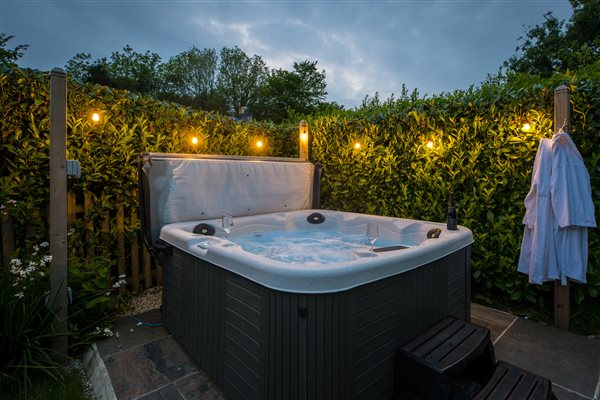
x: 147, y: 300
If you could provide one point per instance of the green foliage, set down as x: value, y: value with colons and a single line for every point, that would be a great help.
x: 191, y: 75
x: 240, y: 78
x: 225, y: 82
x: 26, y: 331
x: 551, y: 46
x: 9, y: 57
x: 480, y: 153
x: 287, y: 93
x: 68, y: 388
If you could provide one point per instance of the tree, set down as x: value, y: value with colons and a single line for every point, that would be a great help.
x: 191, y: 73
x: 300, y: 91
x: 135, y: 71
x: 128, y: 70
x: 82, y: 69
x: 240, y: 78
x: 554, y: 46
x: 9, y: 57
x: 190, y: 78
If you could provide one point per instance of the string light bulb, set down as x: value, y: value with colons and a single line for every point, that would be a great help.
x: 429, y: 145
x: 95, y: 117
x: 194, y: 140
x: 357, y: 145
x: 526, y: 127
x: 259, y: 144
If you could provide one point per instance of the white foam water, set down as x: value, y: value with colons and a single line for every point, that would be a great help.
x: 307, y: 246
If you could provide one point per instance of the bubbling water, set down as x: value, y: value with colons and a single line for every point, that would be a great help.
x: 307, y: 246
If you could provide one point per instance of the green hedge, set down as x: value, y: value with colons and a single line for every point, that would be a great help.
x: 107, y: 149
x: 480, y: 153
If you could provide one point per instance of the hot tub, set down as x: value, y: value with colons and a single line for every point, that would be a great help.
x: 264, y: 327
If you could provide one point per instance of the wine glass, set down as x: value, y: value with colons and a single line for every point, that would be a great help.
x: 227, y: 223
x: 372, y: 233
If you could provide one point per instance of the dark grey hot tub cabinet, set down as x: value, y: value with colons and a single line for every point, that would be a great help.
x: 260, y: 343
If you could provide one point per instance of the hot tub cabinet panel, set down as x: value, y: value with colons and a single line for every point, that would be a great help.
x: 261, y: 343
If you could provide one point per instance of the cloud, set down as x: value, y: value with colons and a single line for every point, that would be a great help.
x: 364, y: 46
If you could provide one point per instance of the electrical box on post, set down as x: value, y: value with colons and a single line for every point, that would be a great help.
x: 73, y: 169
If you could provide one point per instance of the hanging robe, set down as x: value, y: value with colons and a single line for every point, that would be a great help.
x: 559, y: 209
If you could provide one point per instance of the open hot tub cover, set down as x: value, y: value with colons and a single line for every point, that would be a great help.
x: 184, y: 187
x: 211, y: 188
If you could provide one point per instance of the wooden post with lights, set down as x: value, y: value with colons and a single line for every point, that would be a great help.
x: 58, y: 207
x: 303, y: 136
x: 562, y: 117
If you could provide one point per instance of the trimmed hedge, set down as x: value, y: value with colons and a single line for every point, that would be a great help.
x: 480, y: 152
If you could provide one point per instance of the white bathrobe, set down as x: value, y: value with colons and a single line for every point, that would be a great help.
x: 559, y: 209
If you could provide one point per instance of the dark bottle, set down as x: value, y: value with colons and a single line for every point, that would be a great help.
x: 452, y: 222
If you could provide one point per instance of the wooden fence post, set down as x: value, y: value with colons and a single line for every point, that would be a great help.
x: 58, y: 207
x: 106, y: 245
x: 8, y: 235
x: 89, y: 224
x: 135, y: 257
x: 562, y: 117
x: 121, y: 241
x: 147, y: 269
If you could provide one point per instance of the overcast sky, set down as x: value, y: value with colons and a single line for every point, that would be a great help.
x: 364, y: 46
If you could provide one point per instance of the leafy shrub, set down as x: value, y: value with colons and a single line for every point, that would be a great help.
x: 26, y: 332
x: 480, y: 152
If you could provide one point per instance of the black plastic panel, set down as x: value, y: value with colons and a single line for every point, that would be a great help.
x: 259, y: 343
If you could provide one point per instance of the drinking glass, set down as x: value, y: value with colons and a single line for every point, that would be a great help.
x: 372, y: 233
x: 227, y: 223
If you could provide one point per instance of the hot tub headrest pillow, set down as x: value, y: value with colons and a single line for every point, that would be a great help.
x: 201, y: 189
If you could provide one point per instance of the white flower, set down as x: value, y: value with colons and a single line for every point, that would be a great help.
x: 131, y: 330
x: 117, y: 285
x: 42, y: 273
x: 19, y: 295
x: 107, y: 332
x: 44, y: 245
x: 122, y: 276
x: 12, y: 202
x: 108, y: 293
x: 117, y: 334
x: 45, y: 260
x: 2, y: 206
x: 16, y: 262
x: 36, y: 248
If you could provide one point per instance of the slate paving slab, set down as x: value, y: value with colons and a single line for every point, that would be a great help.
x: 495, y: 320
x: 131, y: 334
x: 571, y: 361
x: 148, y: 364
x: 145, y: 368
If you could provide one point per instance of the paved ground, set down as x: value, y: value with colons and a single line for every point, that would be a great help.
x: 146, y: 363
